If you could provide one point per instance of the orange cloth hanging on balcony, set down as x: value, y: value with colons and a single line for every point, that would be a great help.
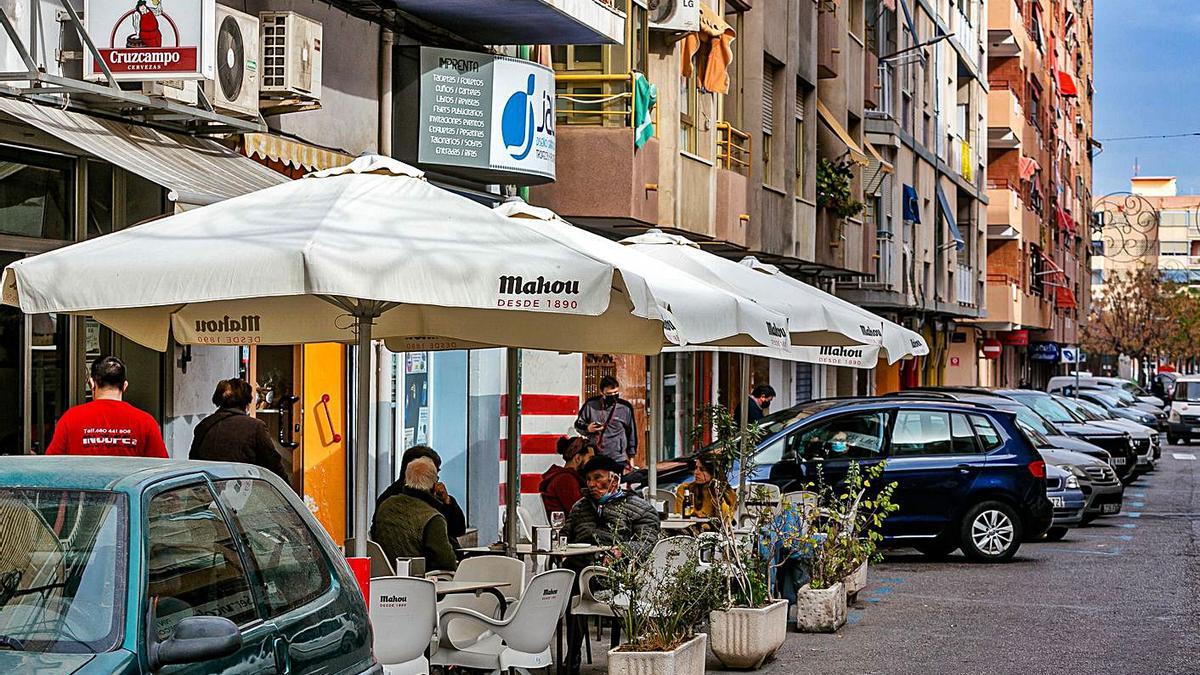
x: 714, y: 43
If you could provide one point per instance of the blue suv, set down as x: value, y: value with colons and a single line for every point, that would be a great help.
x: 967, y: 477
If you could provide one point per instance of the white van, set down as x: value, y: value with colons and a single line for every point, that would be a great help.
x: 1183, y: 422
x: 1061, y: 383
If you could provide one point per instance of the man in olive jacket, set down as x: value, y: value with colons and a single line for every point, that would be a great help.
x: 408, y: 525
x: 608, y: 515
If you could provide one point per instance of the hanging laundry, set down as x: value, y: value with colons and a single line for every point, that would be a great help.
x: 645, y: 96
x: 711, y: 49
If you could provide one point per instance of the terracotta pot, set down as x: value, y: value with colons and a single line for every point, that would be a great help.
x: 685, y: 659
x: 821, y: 610
x: 742, y: 637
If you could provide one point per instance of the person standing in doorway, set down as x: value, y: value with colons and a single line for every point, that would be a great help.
x: 609, y: 423
x: 760, y: 399
x: 107, y: 425
x: 231, y: 435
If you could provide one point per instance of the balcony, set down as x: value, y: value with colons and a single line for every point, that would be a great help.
x: 831, y: 36
x: 601, y: 179
x: 1006, y: 123
x: 872, y: 89
x: 1005, y: 211
x: 1006, y: 29
x: 523, y: 22
x: 1004, y: 304
x: 734, y: 159
x: 1037, y: 313
x: 964, y: 285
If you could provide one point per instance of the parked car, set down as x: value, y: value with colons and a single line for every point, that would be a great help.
x: 967, y: 476
x: 1062, y: 489
x: 1119, y: 444
x: 1088, y: 381
x: 1146, y: 439
x: 1102, y: 490
x: 130, y: 565
x: 1111, y: 401
x: 1183, y: 422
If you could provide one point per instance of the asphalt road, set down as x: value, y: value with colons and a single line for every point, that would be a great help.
x: 1120, y: 596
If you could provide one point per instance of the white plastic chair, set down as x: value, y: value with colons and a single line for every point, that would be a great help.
x: 524, y: 530
x: 668, y: 497
x: 483, y: 568
x: 521, y: 641
x: 380, y: 565
x: 404, y: 615
x: 533, y: 510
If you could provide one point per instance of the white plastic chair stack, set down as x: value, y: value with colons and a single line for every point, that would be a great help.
x: 380, y: 565
x: 520, y: 641
x: 404, y: 616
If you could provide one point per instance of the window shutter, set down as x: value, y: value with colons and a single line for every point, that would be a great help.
x: 768, y: 105
x: 799, y: 102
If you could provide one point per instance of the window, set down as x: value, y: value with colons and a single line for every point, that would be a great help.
x: 288, y: 561
x: 768, y: 123
x: 801, y: 142
x: 988, y: 436
x: 193, y: 567
x: 35, y: 196
x: 927, y: 432
x: 849, y: 437
x: 1173, y: 248
x: 688, y: 103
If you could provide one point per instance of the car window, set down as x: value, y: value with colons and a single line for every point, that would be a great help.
x: 193, y: 566
x: 1188, y: 392
x: 857, y: 436
x: 1047, y: 407
x: 988, y: 436
x: 773, y: 453
x: 287, y: 559
x: 928, y: 432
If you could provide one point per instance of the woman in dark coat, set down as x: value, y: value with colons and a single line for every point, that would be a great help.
x: 231, y: 435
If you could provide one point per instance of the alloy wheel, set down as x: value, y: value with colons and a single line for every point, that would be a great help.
x: 992, y: 532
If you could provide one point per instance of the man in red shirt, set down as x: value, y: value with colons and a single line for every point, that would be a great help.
x: 107, y: 425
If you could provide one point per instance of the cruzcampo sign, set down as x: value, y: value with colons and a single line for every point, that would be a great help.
x: 491, y: 113
x: 152, y: 39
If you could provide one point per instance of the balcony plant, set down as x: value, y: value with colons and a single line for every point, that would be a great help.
x: 835, y: 179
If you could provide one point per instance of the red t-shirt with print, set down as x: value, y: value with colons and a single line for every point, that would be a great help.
x: 107, y: 427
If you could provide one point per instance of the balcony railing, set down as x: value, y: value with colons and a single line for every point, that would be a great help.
x: 733, y: 148
x: 1000, y: 279
x: 596, y: 99
x: 886, y: 108
x: 964, y: 280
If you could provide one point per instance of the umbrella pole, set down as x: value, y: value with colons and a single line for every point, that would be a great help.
x: 744, y: 376
x: 512, y: 486
x: 363, y: 323
x: 656, y: 420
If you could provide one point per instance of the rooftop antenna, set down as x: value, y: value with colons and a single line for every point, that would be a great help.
x: 1136, y: 167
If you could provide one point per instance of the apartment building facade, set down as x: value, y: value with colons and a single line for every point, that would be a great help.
x: 1153, y: 227
x: 1039, y: 186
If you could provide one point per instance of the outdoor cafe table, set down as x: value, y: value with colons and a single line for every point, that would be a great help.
x: 445, y: 588
x: 557, y: 555
x: 673, y: 524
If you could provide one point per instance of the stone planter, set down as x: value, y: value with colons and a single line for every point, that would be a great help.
x: 855, y: 582
x: 743, y: 638
x: 686, y: 659
x: 821, y: 611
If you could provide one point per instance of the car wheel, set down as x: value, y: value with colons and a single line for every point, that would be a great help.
x: 1056, y: 533
x: 938, y: 549
x: 1090, y: 518
x: 991, y: 532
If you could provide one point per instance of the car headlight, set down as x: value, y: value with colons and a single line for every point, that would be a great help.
x: 1072, y: 482
x: 1074, y: 470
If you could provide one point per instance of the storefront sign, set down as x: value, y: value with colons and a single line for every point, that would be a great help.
x: 485, y: 112
x: 1074, y: 355
x: 1015, y: 338
x: 152, y: 39
x: 1043, y: 351
x: 992, y: 348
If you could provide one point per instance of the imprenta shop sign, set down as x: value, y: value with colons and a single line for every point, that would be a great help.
x: 152, y: 39
x: 492, y: 114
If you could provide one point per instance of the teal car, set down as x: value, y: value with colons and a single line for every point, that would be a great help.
x: 131, y: 566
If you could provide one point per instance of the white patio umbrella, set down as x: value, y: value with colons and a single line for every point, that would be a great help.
x: 369, y: 249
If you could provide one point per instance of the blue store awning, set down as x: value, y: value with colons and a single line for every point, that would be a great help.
x: 948, y: 214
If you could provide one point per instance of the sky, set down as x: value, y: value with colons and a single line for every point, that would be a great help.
x: 1147, y: 83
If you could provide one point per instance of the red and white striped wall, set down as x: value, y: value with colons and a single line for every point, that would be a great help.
x: 551, y: 385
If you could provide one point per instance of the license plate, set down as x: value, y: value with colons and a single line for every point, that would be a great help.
x: 1116, y: 461
x: 1110, y: 508
x: 1057, y: 502
x: 1196, y: 430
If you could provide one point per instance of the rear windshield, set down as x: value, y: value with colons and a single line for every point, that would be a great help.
x: 62, y: 570
x: 1088, y: 411
x: 1187, y: 391
x: 1047, y: 407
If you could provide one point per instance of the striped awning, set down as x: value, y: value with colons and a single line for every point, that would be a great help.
x: 196, y: 171
x: 856, y: 153
x: 296, y: 154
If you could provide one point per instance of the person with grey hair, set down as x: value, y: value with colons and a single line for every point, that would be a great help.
x: 409, y: 525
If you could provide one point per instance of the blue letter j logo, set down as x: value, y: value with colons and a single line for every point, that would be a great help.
x: 516, y: 125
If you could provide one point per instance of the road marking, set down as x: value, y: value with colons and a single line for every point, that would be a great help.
x: 854, y: 617
x: 1112, y: 552
x: 1128, y: 526
x: 1139, y: 504
x: 1132, y: 514
x: 1137, y: 494
x: 1183, y: 455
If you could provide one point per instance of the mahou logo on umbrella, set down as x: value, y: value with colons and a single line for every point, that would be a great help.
x: 152, y: 39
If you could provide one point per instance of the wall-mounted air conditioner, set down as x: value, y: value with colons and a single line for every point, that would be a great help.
x: 674, y: 15
x: 235, y: 89
x: 291, y: 57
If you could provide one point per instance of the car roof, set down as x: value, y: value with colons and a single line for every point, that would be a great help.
x: 126, y: 474
x: 1185, y: 378
x: 886, y: 401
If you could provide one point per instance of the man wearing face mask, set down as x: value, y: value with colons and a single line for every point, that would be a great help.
x: 609, y: 423
x: 760, y: 399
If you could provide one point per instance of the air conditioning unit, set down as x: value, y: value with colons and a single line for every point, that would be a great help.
x: 674, y: 15
x: 291, y: 56
x: 180, y: 91
x: 235, y: 89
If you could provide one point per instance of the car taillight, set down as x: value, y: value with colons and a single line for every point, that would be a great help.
x: 1038, y: 469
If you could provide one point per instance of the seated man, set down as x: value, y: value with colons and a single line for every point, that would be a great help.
x: 608, y: 515
x: 409, y: 525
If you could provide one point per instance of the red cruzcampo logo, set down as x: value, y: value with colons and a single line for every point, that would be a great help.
x: 136, y: 43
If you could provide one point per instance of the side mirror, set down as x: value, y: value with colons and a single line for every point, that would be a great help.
x: 196, y: 639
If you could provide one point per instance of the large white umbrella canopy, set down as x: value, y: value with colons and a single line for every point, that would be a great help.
x: 813, y: 319
x: 895, y: 343
x: 369, y: 248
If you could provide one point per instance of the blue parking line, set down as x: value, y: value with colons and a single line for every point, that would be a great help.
x: 1114, y: 551
x: 889, y: 580
x: 1138, y: 504
x: 1137, y: 494
x: 883, y: 589
x: 1128, y: 526
x: 873, y: 600
x: 1132, y: 514
x: 854, y: 617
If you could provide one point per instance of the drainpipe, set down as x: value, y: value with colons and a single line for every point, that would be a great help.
x: 386, y: 40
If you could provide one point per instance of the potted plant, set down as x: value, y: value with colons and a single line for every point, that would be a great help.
x: 661, y: 608
x: 843, y: 541
x: 748, y: 625
x: 835, y: 179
